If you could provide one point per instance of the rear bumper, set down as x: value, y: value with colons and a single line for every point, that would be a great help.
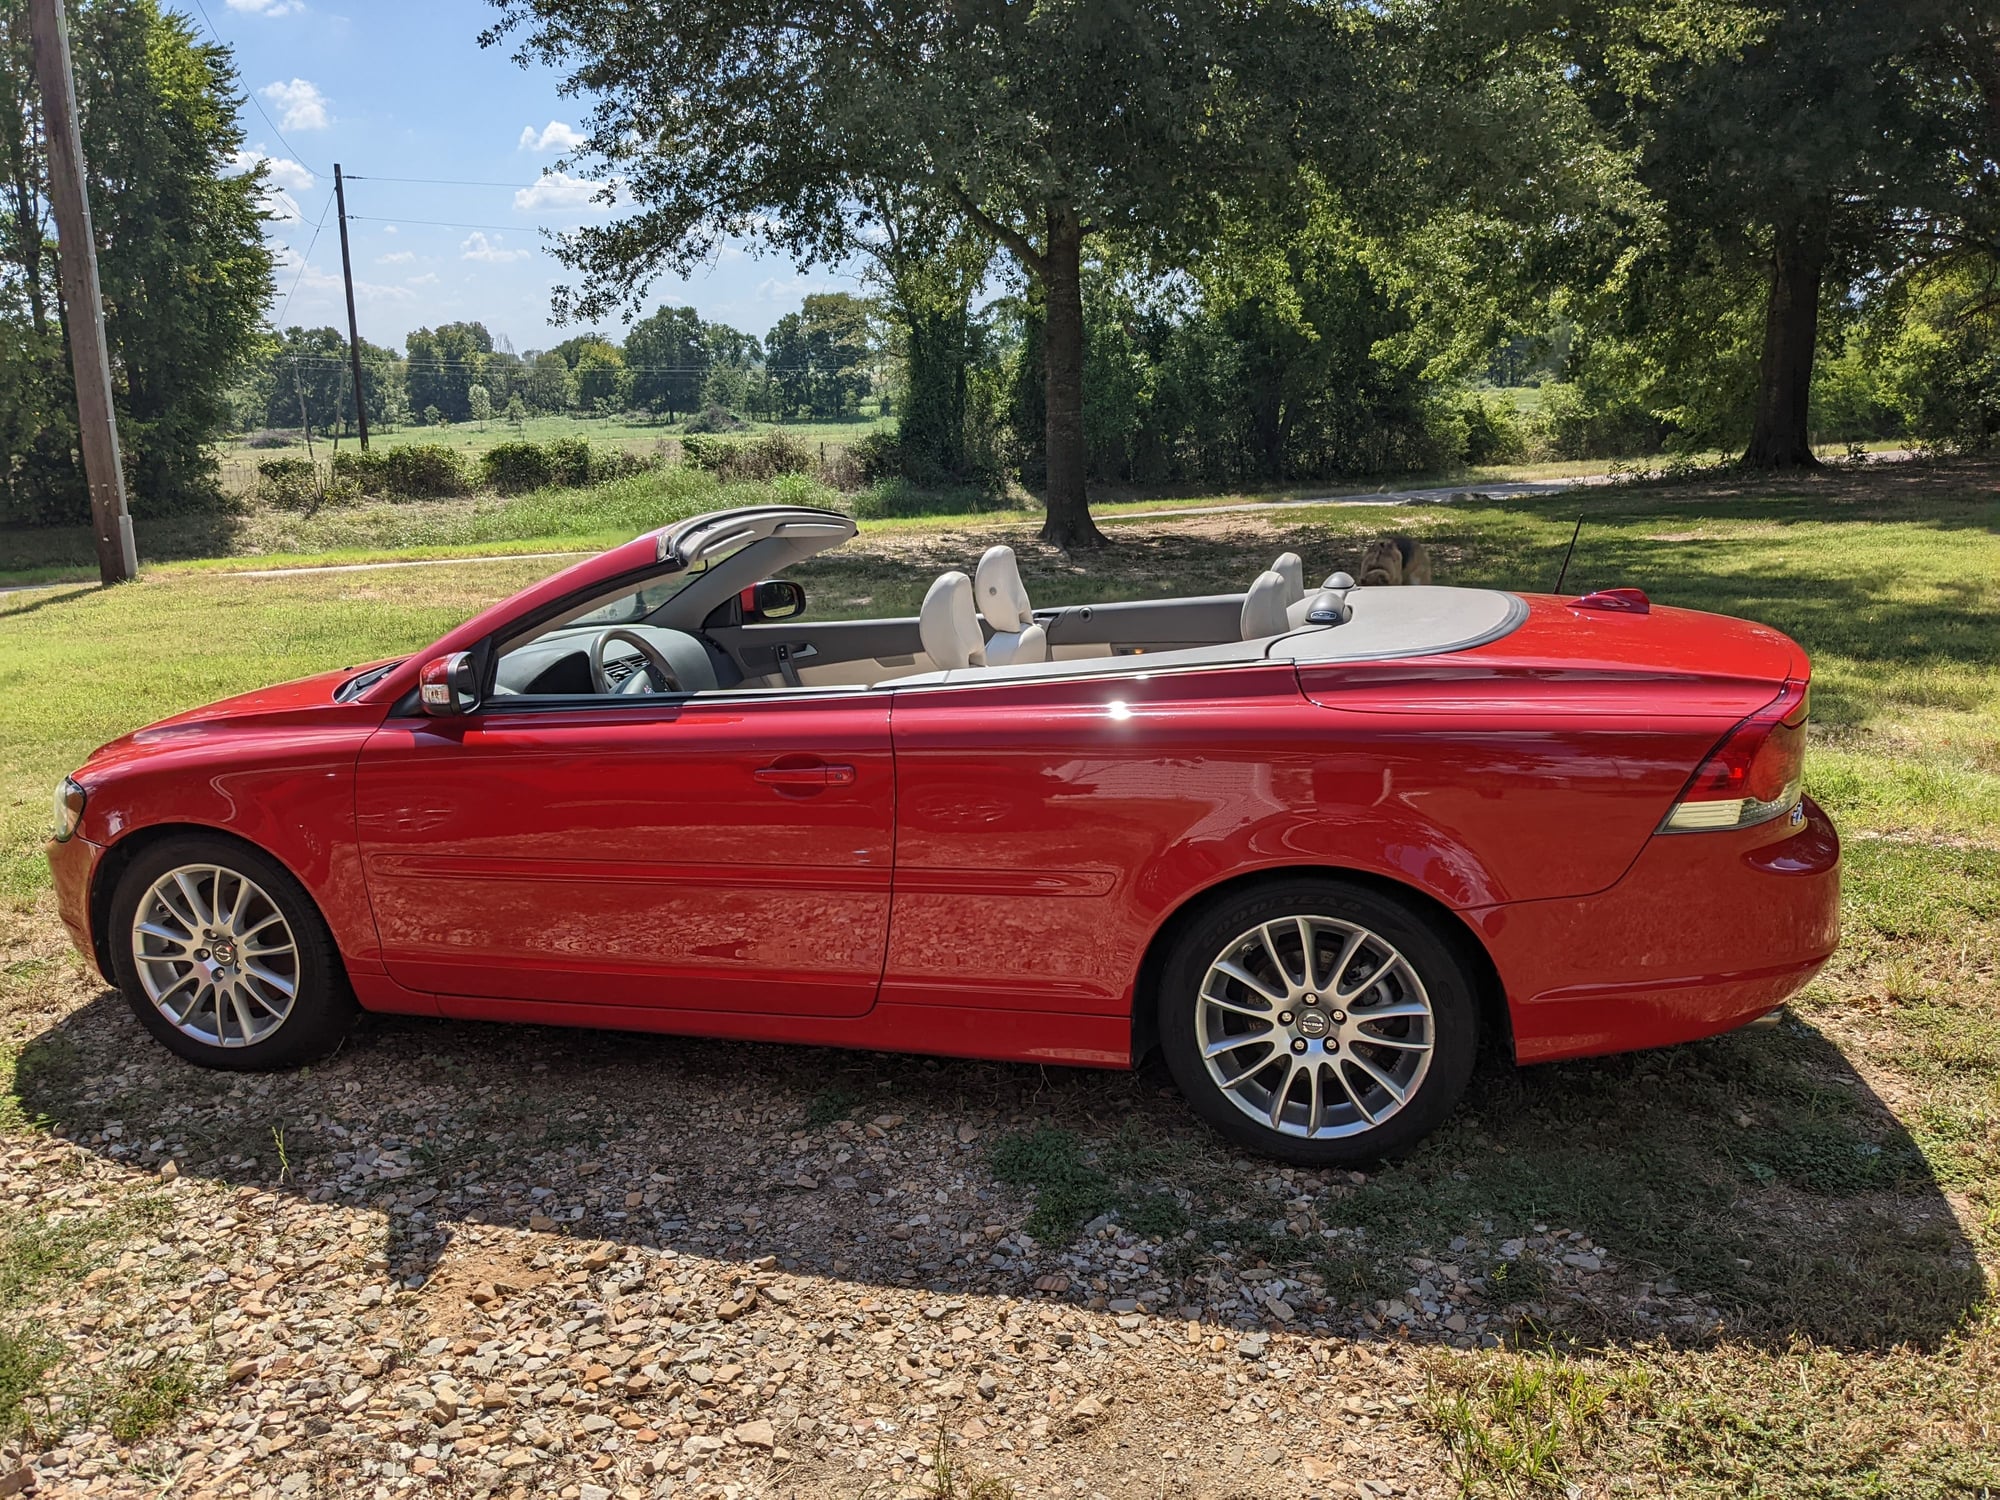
x: 1706, y: 932
x: 73, y: 863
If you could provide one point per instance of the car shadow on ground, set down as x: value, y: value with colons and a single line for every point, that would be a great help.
x: 1750, y: 1186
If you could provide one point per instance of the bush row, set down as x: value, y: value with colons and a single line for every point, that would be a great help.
x: 431, y: 471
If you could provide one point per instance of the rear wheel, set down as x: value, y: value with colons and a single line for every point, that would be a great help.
x: 225, y: 959
x: 1318, y: 1022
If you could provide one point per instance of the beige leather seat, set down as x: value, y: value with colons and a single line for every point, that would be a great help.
x: 1266, y: 609
x: 948, y: 626
x: 1003, y: 600
x: 1291, y: 567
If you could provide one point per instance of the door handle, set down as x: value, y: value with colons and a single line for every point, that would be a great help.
x: 823, y: 775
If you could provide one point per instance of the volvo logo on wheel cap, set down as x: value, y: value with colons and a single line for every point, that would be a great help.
x: 1314, y: 1023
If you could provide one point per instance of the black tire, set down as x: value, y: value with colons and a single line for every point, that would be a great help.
x: 1442, y: 979
x: 322, y: 1006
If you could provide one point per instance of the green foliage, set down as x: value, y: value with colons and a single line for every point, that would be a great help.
x: 424, y: 471
x: 515, y: 468
x: 1068, y: 1190
x: 289, y: 483
x: 759, y: 458
x: 25, y: 1358
x: 182, y: 261
x: 443, y: 364
x: 670, y: 356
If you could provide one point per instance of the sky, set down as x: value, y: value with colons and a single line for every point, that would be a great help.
x: 405, y: 91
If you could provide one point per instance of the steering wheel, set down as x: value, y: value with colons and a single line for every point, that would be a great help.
x: 658, y: 672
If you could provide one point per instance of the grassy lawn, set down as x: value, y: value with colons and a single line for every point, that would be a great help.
x: 1801, y: 1226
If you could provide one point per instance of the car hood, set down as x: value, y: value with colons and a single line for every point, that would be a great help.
x: 306, y: 702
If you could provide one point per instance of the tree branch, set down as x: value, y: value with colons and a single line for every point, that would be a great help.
x: 1012, y: 238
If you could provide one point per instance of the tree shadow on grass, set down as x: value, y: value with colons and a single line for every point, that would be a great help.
x: 1748, y: 1186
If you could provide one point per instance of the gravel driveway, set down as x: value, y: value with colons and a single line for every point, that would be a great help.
x: 465, y: 1260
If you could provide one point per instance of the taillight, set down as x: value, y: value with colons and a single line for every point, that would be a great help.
x: 1754, y: 775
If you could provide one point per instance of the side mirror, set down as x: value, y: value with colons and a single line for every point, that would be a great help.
x: 773, y: 599
x: 449, y: 686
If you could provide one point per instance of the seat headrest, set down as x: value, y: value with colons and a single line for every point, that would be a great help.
x: 1291, y: 567
x: 1003, y: 598
x: 948, y: 627
x: 1264, y: 607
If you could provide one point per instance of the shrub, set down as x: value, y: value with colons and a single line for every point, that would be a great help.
x: 515, y: 468
x: 424, y: 471
x: 270, y: 437
x: 569, y: 461
x: 1493, y: 431
x: 761, y: 458
x: 713, y: 418
x: 366, y: 473
x: 288, y: 483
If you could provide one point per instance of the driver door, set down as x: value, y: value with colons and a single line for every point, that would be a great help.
x: 722, y: 854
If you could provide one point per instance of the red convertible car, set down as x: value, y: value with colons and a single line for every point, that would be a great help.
x: 1309, y: 843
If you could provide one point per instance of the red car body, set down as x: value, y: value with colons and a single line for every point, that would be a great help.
x: 988, y: 870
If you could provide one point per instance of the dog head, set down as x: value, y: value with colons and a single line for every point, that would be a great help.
x: 1381, y: 563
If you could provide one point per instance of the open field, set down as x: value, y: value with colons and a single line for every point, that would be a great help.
x: 458, y: 1260
x: 239, y: 459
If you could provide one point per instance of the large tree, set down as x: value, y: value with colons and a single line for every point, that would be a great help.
x: 444, y: 364
x: 668, y: 356
x: 1813, y: 145
x: 181, y: 257
x: 1046, y: 124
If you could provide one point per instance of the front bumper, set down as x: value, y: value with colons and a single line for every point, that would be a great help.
x: 73, y: 863
x: 1705, y: 933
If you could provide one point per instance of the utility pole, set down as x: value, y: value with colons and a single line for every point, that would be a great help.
x: 353, y: 334
x: 76, y: 258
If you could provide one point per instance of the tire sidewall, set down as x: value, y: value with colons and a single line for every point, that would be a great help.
x: 323, y: 1008
x: 1438, y: 962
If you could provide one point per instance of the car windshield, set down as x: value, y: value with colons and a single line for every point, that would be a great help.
x: 630, y: 608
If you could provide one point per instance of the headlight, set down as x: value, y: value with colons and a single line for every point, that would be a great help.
x: 69, y: 808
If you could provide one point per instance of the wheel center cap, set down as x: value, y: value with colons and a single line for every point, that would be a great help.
x: 1314, y: 1023
x: 224, y: 952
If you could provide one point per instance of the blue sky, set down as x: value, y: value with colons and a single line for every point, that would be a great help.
x: 405, y: 90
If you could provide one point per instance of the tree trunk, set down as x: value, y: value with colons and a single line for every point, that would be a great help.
x: 1069, y: 525
x: 1781, y: 438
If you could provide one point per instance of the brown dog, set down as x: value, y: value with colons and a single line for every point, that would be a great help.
x: 1395, y: 559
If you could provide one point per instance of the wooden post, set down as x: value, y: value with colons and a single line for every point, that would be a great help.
x: 76, y: 257
x: 353, y: 333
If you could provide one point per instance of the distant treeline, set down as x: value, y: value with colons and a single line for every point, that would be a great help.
x: 1196, y: 243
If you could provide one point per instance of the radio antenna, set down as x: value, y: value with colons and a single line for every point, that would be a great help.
x: 1567, y: 556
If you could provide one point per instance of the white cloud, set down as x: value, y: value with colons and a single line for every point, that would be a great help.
x: 279, y: 171
x: 313, y: 279
x: 267, y: 7
x: 280, y: 174
x: 304, y: 105
x: 429, y: 278
x: 396, y: 258
x: 390, y: 229
x: 554, y: 136
x: 559, y: 190
x: 793, y: 288
x: 478, y: 247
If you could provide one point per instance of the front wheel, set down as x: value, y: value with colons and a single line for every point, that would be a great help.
x: 1318, y: 1022
x: 224, y: 958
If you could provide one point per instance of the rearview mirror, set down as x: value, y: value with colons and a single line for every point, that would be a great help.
x: 449, y: 685
x: 773, y: 599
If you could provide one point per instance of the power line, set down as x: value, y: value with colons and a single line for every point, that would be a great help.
x: 290, y: 150
x: 306, y: 259
x: 440, y: 182
x: 450, y: 224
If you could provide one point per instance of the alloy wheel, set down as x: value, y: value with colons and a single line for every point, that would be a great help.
x: 215, y: 955
x: 1314, y: 1027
